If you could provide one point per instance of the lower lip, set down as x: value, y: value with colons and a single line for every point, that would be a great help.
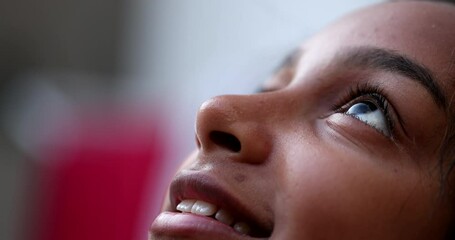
x: 191, y: 226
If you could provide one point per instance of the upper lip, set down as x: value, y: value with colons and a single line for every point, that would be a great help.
x: 190, y: 185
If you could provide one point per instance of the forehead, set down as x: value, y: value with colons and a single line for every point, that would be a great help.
x: 423, y: 31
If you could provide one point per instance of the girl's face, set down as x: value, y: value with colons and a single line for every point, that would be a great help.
x: 343, y: 143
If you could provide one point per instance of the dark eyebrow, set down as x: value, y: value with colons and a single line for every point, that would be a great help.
x: 394, y: 62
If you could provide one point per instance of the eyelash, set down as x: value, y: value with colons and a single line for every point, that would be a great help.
x: 366, y: 92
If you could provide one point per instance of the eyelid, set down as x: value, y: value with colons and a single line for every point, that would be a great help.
x: 374, y: 94
x: 356, y: 91
x: 263, y: 89
x: 382, y: 104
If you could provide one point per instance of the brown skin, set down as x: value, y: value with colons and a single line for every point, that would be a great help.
x: 311, y: 171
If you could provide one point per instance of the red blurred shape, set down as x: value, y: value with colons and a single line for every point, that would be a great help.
x: 100, y: 176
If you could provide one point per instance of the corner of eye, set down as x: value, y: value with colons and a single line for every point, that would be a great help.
x: 265, y: 89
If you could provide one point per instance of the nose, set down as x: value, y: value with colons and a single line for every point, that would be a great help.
x: 234, y: 126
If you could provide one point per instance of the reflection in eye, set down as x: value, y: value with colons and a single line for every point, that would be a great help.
x: 370, y: 114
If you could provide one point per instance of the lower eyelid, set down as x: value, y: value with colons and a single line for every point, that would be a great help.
x: 358, y: 128
x: 339, y: 127
x: 369, y: 125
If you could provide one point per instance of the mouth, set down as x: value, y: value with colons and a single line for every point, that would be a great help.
x: 201, y: 207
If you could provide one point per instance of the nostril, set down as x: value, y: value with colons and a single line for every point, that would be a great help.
x: 225, y: 140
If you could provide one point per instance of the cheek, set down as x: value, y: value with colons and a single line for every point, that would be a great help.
x: 333, y: 194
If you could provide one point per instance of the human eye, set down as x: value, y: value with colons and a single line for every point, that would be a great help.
x: 283, y: 74
x: 368, y: 105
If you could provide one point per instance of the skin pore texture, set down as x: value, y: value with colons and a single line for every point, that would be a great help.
x: 342, y: 143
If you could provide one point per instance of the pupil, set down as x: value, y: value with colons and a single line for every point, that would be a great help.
x: 363, y: 107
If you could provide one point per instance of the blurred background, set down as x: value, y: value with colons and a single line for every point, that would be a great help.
x: 98, y: 100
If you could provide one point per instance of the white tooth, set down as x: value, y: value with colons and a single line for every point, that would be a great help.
x: 185, y: 205
x: 224, y: 217
x: 242, y: 227
x: 203, y: 208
